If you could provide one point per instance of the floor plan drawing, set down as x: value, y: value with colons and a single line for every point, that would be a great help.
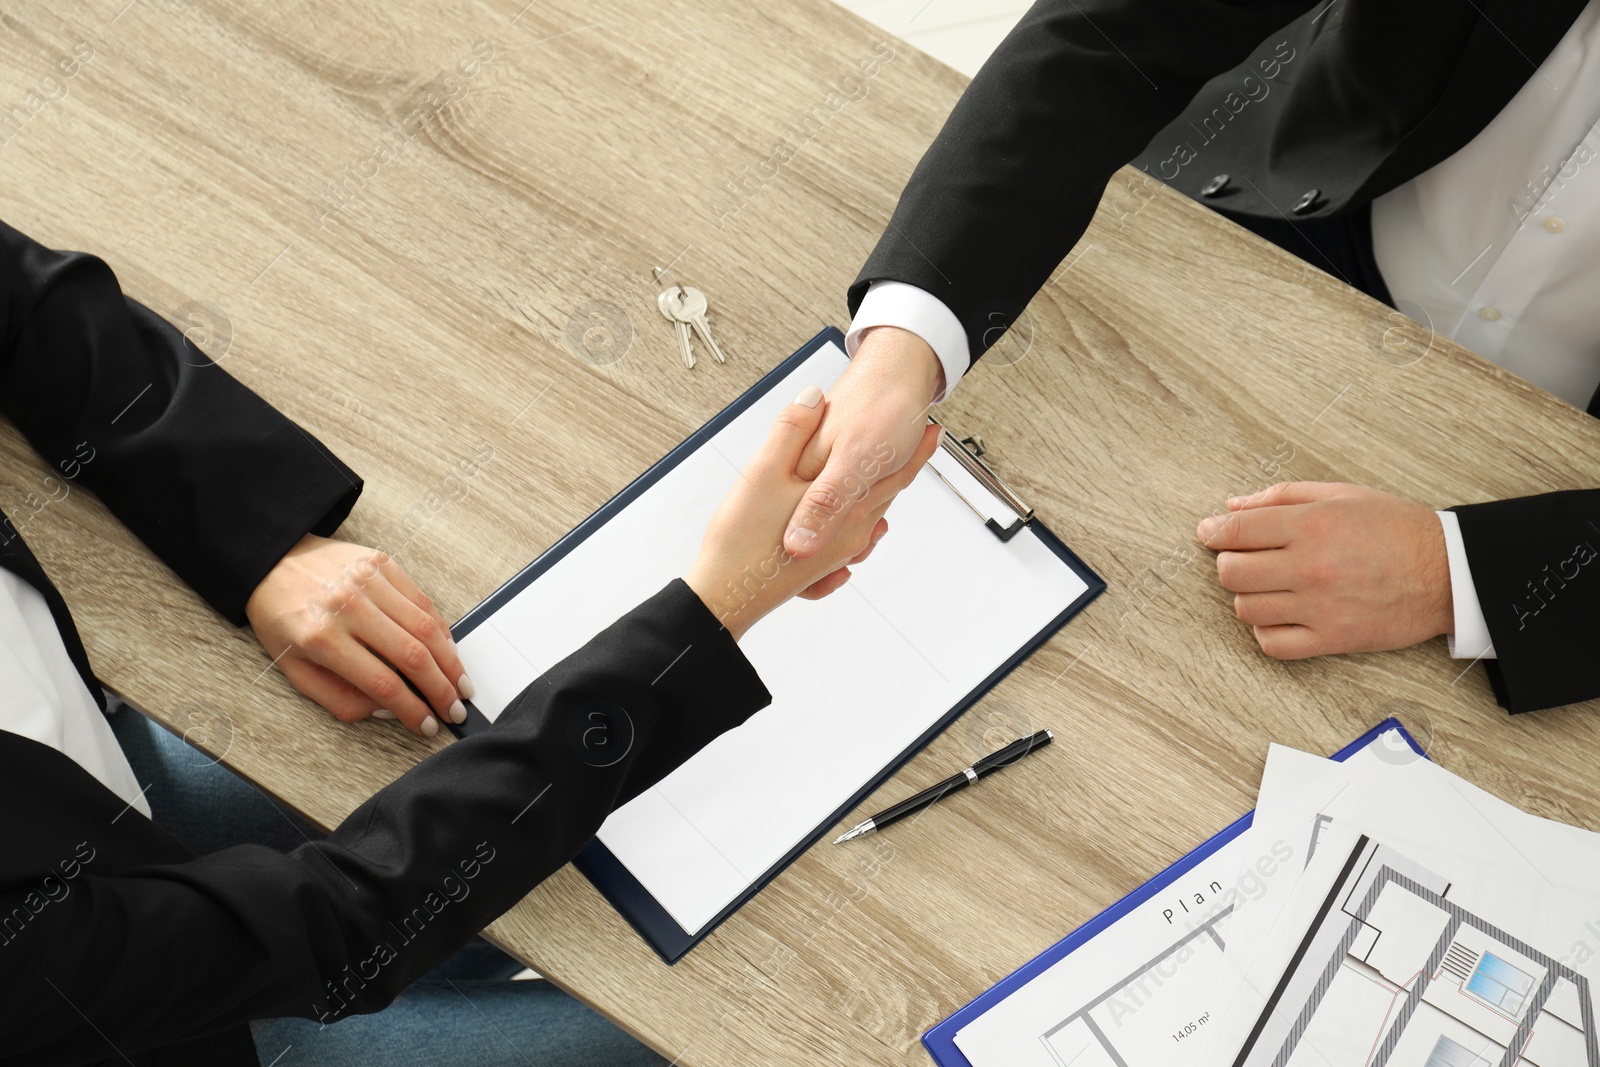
x: 1133, y: 987
x: 1394, y: 973
x: 1099, y: 1034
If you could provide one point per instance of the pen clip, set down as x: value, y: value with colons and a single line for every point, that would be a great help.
x: 1013, y: 752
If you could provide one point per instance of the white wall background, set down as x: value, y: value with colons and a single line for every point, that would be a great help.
x: 961, y: 33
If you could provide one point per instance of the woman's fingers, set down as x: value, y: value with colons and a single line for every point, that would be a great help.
x: 351, y: 660
x: 434, y: 635
x: 831, y: 581
x: 397, y: 577
x: 825, y: 585
x: 879, y: 529
x: 376, y: 629
x: 417, y: 614
x: 780, y: 453
x: 345, y: 701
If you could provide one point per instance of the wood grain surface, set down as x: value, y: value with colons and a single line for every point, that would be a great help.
x: 399, y: 253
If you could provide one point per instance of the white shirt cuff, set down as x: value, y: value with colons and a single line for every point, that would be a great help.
x: 1471, y: 639
x: 920, y: 312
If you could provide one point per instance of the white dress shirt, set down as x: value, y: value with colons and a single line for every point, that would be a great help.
x: 1497, y: 248
x: 42, y: 695
x: 1499, y: 245
x: 920, y: 312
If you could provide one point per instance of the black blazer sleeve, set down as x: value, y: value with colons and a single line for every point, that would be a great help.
x: 205, y: 472
x: 1076, y: 90
x: 1536, y: 566
x: 170, y: 952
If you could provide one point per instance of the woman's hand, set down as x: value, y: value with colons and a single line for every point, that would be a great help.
x: 341, y: 619
x: 743, y: 570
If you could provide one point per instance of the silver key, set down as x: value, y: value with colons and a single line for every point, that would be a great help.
x: 668, y: 303
x: 691, y: 308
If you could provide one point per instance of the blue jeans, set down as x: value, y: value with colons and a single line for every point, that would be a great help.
x: 466, y: 1010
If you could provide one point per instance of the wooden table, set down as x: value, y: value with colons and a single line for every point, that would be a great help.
x: 400, y: 254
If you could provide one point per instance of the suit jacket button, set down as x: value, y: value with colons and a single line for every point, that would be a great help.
x: 1308, y: 202
x: 1216, y: 186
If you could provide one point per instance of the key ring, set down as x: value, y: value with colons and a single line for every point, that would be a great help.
x: 659, y: 271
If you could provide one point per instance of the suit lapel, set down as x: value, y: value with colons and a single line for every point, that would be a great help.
x: 1511, y: 40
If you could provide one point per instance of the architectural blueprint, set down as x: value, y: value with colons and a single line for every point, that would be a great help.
x: 1378, y: 912
x: 1394, y: 973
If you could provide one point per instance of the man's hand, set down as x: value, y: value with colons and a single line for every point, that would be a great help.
x: 876, y: 416
x: 340, y: 619
x: 743, y: 571
x: 1319, y: 568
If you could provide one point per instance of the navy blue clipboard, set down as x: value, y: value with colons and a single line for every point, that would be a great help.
x: 941, y: 1040
x: 598, y: 864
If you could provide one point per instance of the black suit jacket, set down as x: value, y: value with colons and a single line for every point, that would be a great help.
x: 119, y: 945
x: 1334, y: 104
x: 215, y: 481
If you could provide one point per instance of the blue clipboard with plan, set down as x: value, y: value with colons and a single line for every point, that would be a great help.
x: 1187, y: 898
x: 902, y: 650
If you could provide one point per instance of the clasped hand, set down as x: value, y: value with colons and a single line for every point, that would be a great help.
x: 744, y: 569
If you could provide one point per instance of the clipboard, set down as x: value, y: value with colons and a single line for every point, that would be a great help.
x: 996, y: 506
x: 941, y: 1040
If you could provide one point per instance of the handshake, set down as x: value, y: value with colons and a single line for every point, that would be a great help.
x: 748, y: 566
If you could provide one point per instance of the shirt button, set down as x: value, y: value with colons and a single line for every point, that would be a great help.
x: 1555, y: 223
x: 1489, y: 313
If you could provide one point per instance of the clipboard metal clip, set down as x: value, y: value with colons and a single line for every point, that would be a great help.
x: 1013, y: 515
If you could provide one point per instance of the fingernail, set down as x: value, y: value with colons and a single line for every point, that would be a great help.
x: 382, y: 713
x: 430, y: 726
x: 809, y: 397
x: 1235, y: 501
x: 458, y: 713
x: 1209, y: 526
x: 465, y: 687
x: 802, y: 537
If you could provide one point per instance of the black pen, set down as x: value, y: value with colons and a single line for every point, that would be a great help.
x: 987, y: 765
